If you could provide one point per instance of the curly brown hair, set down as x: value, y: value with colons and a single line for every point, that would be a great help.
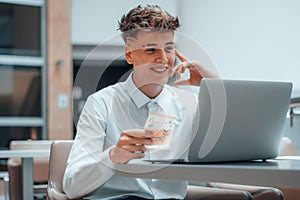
x: 150, y: 17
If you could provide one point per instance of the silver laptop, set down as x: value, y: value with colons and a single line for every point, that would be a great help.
x: 240, y: 120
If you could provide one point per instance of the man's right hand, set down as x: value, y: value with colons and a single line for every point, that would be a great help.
x: 131, y: 145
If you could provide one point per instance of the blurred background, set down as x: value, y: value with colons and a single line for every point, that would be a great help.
x: 55, y: 53
x: 44, y: 45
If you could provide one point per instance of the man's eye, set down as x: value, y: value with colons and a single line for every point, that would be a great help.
x: 169, y: 49
x: 151, y: 50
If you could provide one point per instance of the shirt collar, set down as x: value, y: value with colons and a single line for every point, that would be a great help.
x: 135, y: 94
x: 166, y: 99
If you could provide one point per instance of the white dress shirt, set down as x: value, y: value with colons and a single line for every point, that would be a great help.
x: 106, y: 114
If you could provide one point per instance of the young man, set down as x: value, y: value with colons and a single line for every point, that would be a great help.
x: 111, y: 127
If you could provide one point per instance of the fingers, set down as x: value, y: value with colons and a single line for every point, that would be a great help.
x: 180, y: 68
x: 128, y: 140
x: 134, y: 148
x: 196, y: 72
x: 181, y: 57
x: 181, y: 82
x: 137, y: 133
x: 131, y: 145
x: 128, y: 148
x: 119, y: 155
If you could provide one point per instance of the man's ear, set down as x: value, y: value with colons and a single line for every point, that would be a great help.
x: 128, y: 55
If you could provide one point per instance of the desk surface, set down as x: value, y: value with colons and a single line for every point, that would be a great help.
x: 24, y: 153
x: 280, y: 172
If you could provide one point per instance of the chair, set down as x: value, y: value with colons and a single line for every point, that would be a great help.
x: 14, y: 166
x: 287, y: 148
x: 5, y: 177
x: 257, y: 192
x: 59, y: 153
x: 261, y: 193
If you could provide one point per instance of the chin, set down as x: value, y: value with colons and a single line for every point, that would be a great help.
x: 163, y: 80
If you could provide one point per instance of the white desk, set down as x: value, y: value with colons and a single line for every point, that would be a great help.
x: 282, y: 172
x: 27, y: 167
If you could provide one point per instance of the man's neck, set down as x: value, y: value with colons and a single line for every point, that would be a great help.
x: 151, y: 90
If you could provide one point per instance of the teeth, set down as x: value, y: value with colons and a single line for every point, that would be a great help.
x: 160, y: 69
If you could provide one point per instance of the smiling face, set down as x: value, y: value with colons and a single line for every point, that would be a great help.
x: 152, y: 55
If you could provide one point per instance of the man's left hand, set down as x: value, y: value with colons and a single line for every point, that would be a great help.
x: 197, y: 71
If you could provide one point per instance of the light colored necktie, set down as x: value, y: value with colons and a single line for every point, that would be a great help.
x: 154, y: 107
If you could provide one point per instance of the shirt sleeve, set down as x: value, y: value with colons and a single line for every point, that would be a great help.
x: 89, y: 165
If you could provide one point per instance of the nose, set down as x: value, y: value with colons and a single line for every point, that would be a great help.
x: 161, y: 57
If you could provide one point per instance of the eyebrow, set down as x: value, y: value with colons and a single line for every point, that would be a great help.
x: 169, y: 43
x: 153, y: 44
x: 149, y: 45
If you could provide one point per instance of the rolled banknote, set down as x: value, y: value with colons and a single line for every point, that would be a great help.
x: 161, y: 127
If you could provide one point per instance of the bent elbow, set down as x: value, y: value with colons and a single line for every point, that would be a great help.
x: 70, y: 189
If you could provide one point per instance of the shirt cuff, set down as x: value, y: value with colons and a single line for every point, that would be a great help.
x: 105, y: 160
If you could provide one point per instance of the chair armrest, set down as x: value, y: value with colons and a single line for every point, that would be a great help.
x: 258, y: 192
x: 206, y: 193
x: 53, y: 194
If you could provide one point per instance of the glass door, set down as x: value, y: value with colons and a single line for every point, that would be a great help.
x: 22, y: 70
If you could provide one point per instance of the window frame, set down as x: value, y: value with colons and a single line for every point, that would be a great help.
x: 31, y: 61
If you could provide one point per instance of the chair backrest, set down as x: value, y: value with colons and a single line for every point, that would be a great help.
x: 30, y: 144
x: 59, y: 153
x: 287, y: 147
